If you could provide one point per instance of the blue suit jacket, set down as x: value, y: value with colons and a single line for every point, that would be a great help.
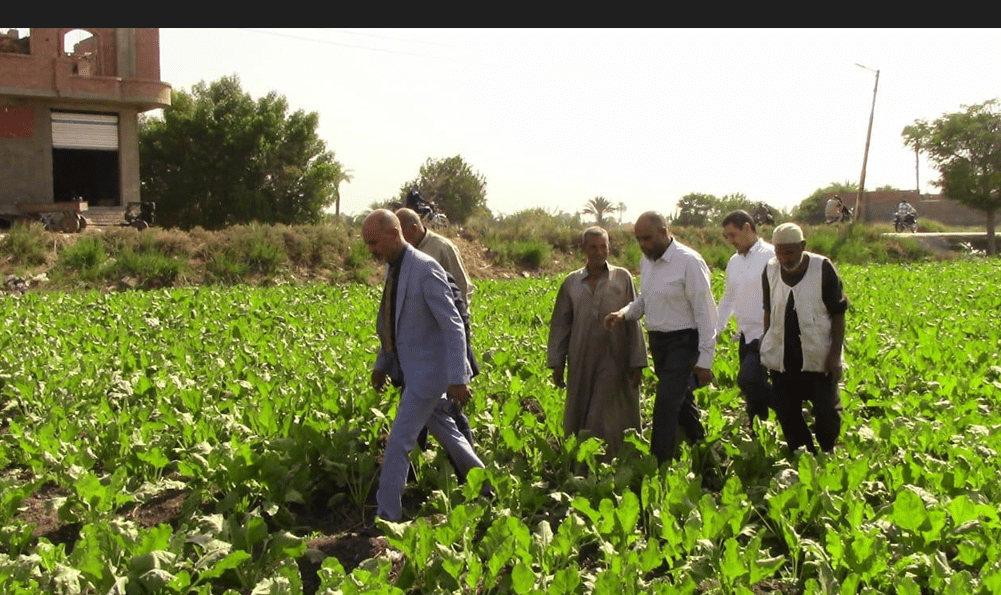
x: 430, y: 334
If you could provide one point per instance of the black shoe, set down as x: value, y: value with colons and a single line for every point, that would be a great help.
x: 759, y: 410
x: 487, y: 492
x: 370, y: 530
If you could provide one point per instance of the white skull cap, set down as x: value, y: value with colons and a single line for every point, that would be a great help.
x: 787, y: 233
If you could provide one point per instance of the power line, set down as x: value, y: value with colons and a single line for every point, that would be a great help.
x: 386, y: 37
x: 350, y: 45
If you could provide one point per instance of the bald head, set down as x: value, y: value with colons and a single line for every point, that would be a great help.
x: 651, y: 234
x: 654, y: 219
x: 382, y: 235
x: 412, y: 226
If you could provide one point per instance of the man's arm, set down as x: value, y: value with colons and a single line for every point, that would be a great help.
x: 634, y: 333
x: 437, y: 295
x: 633, y: 311
x: 833, y: 363
x: 700, y: 297
x: 452, y: 262
x: 833, y: 296
x: 635, y: 342
x: 726, y: 303
x: 559, y: 334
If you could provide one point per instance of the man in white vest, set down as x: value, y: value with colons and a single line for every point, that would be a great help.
x: 804, y: 307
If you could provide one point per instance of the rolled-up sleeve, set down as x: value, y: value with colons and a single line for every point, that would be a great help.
x: 700, y: 296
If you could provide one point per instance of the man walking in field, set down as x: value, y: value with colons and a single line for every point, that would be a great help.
x: 804, y: 331
x: 423, y: 341
x: 676, y: 299
x: 447, y: 255
x: 743, y: 300
x: 603, y: 366
x: 437, y: 247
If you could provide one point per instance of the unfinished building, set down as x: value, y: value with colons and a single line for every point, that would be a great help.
x: 70, y: 100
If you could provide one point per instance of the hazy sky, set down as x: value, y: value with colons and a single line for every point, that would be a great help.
x: 554, y: 117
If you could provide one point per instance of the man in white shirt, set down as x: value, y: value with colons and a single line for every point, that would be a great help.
x: 676, y: 299
x: 743, y: 300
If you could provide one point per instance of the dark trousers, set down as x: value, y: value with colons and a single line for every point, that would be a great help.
x: 462, y: 422
x: 753, y: 380
x: 792, y: 389
x: 674, y: 356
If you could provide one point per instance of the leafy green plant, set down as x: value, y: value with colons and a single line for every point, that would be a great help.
x: 26, y: 244
x: 255, y: 403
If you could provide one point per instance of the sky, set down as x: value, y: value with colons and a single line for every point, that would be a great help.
x: 555, y: 117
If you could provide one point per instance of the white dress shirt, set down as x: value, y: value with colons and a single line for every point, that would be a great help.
x: 675, y: 295
x: 742, y: 297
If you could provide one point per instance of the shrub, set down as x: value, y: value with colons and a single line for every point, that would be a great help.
x: 224, y: 268
x: 26, y: 244
x: 261, y: 247
x: 529, y: 254
x: 358, y: 263
x: 316, y: 246
x: 150, y: 268
x: 85, y: 257
x: 168, y: 242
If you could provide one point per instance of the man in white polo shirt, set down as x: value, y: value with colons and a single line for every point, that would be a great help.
x: 804, y: 306
x: 742, y: 299
x: 677, y: 302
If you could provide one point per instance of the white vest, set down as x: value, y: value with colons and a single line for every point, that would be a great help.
x: 814, y: 320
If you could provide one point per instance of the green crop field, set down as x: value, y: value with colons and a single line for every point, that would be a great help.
x: 226, y: 440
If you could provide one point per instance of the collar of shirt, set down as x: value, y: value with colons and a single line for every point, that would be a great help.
x: 756, y: 247
x: 666, y: 256
x: 587, y: 273
x: 425, y: 240
x: 394, y: 265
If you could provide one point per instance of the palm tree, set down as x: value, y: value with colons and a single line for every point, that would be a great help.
x: 621, y: 208
x: 343, y: 175
x: 599, y: 206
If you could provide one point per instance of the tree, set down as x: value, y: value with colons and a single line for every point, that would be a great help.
x: 701, y: 210
x: 598, y: 207
x: 343, y: 175
x: 737, y: 201
x: 620, y: 209
x: 965, y: 147
x: 695, y: 209
x: 217, y: 158
x: 811, y: 210
x: 452, y: 185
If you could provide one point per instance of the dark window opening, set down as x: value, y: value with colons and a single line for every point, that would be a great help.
x: 81, y: 174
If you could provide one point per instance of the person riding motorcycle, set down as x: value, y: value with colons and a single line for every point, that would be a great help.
x: 416, y: 202
x: 906, y: 215
x: 836, y: 211
x: 763, y: 215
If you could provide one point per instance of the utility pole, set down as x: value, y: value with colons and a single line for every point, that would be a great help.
x: 859, y: 205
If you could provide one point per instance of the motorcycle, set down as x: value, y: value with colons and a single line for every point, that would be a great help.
x: 429, y: 214
x: 909, y: 222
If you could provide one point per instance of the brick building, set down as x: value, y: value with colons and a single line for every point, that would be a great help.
x: 69, y: 106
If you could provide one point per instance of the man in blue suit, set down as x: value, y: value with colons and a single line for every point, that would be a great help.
x: 423, y: 345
